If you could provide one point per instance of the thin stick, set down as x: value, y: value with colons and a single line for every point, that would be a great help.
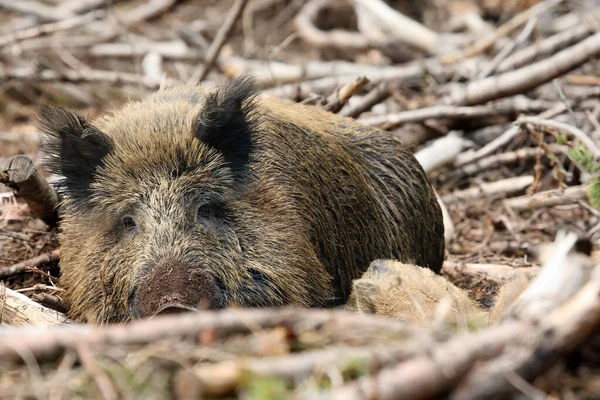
x: 505, y: 138
x: 220, y: 39
x: 505, y: 52
x: 338, y: 99
x: 494, y: 160
x: 380, y: 93
x: 545, y: 47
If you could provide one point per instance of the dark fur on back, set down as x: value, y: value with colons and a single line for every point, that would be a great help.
x: 262, y: 202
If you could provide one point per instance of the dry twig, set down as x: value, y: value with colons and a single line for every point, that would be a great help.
x: 337, y: 100
x: 518, y: 20
x: 23, y: 266
x: 219, y: 41
x: 562, y: 127
x: 380, y: 93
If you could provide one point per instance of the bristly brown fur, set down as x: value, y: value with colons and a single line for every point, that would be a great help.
x: 417, y: 295
x: 301, y: 201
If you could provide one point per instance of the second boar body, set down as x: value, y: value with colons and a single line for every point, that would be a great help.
x: 213, y: 198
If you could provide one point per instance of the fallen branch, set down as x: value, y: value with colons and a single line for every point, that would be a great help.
x: 435, y: 112
x: 23, y: 266
x: 437, y: 371
x: 87, y: 75
x: 441, y: 152
x: 18, y: 309
x: 556, y: 334
x: 145, y: 11
x: 526, y: 78
x: 223, y: 322
x: 173, y: 50
x: 500, y: 108
x: 504, y: 186
x: 20, y: 174
x: 545, y: 47
x: 269, y: 72
x: 400, y: 27
x: 80, y: 6
x: 398, y: 74
x: 550, y: 198
x: 508, y: 136
x: 564, y: 273
x: 221, y: 379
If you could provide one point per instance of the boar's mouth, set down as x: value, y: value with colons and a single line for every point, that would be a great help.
x: 174, y: 308
x: 174, y: 287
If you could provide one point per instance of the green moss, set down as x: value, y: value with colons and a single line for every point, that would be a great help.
x: 353, y: 368
x: 594, y: 193
x: 266, y: 388
x: 582, y: 156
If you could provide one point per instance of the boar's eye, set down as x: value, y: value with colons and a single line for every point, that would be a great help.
x: 128, y: 223
x: 204, y: 211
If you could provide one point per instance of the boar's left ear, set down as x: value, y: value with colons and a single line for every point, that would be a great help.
x: 74, y: 149
x: 227, y: 121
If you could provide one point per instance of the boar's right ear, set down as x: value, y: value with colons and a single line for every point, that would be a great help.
x: 227, y: 121
x: 74, y: 149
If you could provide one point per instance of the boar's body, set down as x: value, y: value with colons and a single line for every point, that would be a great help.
x: 215, y: 198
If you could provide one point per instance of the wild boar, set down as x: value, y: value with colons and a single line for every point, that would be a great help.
x: 215, y: 198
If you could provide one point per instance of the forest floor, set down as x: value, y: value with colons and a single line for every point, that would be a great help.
x: 504, y: 89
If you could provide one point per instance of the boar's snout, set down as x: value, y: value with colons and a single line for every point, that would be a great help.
x: 174, y: 287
